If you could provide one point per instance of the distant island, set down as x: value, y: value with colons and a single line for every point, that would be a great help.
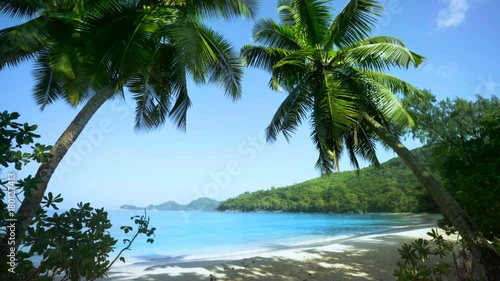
x: 200, y: 204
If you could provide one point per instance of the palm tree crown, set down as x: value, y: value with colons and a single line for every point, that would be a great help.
x: 81, y: 48
x: 89, y: 51
x: 332, y: 72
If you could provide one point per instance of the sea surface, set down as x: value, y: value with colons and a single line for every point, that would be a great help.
x: 209, y: 235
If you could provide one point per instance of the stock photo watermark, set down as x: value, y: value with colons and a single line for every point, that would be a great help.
x: 486, y: 85
x: 11, y: 221
x: 391, y: 8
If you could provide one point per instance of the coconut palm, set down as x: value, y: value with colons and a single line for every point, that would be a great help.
x: 332, y: 72
x: 87, y: 52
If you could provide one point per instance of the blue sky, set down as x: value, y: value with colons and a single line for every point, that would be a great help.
x: 223, y: 152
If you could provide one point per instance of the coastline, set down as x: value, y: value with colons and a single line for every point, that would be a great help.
x: 361, y: 257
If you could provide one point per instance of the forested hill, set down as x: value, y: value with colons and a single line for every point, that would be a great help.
x: 389, y: 188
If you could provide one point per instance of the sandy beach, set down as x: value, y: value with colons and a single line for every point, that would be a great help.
x: 363, y: 257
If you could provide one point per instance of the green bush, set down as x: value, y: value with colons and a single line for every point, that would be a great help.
x: 74, y: 244
x: 424, y: 260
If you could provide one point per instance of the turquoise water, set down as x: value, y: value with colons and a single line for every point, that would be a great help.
x: 195, y: 235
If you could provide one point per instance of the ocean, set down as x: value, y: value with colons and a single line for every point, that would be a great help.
x: 213, y: 235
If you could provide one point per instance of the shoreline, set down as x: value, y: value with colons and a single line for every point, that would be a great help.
x: 371, y: 256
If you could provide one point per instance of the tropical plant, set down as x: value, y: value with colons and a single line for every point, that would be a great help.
x: 463, y: 137
x: 71, y: 244
x: 421, y: 260
x: 332, y: 72
x: 88, y: 52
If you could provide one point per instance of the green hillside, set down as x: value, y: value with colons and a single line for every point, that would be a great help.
x: 389, y: 188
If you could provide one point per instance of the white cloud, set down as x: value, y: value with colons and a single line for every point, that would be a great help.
x: 453, y: 14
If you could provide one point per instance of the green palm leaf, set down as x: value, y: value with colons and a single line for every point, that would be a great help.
x: 221, y: 8
x: 354, y: 23
x: 225, y: 67
x: 22, y: 42
x: 290, y: 113
x: 381, y: 56
x: 262, y: 57
x: 291, y: 69
x: 394, y: 84
x: 269, y: 33
x: 47, y: 87
x: 22, y: 8
x: 182, y: 104
x: 285, y: 12
x: 311, y: 18
x: 360, y: 142
x: 379, y: 39
x: 340, y: 86
x: 328, y: 146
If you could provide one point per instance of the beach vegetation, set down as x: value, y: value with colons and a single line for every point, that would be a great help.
x: 437, y: 259
x: 333, y: 74
x: 463, y: 141
x: 72, y: 244
x: 88, y: 52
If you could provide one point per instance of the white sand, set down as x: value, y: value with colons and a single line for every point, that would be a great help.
x: 366, y: 257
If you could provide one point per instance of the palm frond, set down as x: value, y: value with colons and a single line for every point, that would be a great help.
x: 335, y: 112
x: 196, y: 50
x: 291, y: 69
x: 379, y: 39
x: 376, y: 99
x: 47, y: 86
x: 225, y: 68
x: 328, y: 159
x: 361, y: 143
x: 158, y: 87
x: 262, y: 57
x: 312, y: 19
x: 290, y: 113
x: 329, y: 148
x: 22, y: 42
x: 285, y: 12
x: 390, y: 107
x: 181, y: 106
x: 151, y: 109
x: 269, y: 33
x: 394, y: 84
x: 22, y: 8
x: 381, y: 57
x: 221, y: 8
x: 354, y: 23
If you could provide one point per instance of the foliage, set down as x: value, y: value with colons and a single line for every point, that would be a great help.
x: 421, y: 260
x: 71, y: 244
x: 83, y: 48
x: 464, y: 141
x: 90, y: 51
x: 391, y: 187
x: 14, y: 137
x: 334, y: 77
x: 332, y: 72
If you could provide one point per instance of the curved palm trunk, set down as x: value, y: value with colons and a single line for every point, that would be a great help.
x: 481, y: 249
x: 30, y: 204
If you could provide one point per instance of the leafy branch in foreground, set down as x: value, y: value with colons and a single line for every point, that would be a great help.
x: 70, y: 245
x: 430, y: 260
x: 143, y: 228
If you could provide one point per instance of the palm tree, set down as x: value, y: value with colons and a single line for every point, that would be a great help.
x: 333, y: 73
x: 90, y: 51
